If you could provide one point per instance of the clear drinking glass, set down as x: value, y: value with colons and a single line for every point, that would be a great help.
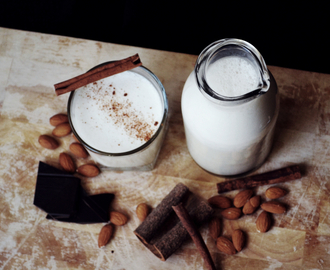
x: 141, y: 158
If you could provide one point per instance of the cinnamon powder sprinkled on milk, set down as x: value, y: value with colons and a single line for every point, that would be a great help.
x: 124, y: 113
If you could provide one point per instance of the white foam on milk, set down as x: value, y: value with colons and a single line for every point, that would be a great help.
x: 232, y: 76
x: 117, y: 114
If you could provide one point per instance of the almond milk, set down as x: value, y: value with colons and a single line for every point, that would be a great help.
x: 119, y: 119
x: 229, y: 127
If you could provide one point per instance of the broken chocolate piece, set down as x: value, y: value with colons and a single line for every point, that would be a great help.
x: 56, y: 191
x: 62, y: 197
x: 90, y: 209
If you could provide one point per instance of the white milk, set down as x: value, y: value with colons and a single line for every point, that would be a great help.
x: 232, y: 76
x: 119, y: 114
x: 229, y: 139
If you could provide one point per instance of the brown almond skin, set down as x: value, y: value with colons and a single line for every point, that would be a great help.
x: 67, y: 163
x: 88, y: 170
x: 105, y: 235
x: 225, y: 245
x: 238, y: 238
x: 248, y: 209
x: 62, y: 130
x: 78, y: 150
x: 275, y: 193
x: 48, y: 142
x: 118, y: 218
x: 215, y: 227
x: 220, y: 201
x: 231, y: 213
x: 263, y: 222
x: 255, y: 201
x: 241, y: 197
x: 58, y: 119
x: 273, y: 207
x: 142, y: 211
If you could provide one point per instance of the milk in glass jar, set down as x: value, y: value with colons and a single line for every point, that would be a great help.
x: 230, y: 106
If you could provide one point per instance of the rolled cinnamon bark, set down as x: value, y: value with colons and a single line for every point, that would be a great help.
x: 194, y: 234
x: 98, y: 73
x: 273, y: 177
x: 151, y: 225
x: 162, y: 232
x: 174, y: 238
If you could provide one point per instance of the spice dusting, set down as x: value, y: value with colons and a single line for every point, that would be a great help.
x: 121, y: 112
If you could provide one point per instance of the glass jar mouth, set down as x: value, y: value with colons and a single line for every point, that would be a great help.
x: 158, y: 85
x: 222, y: 48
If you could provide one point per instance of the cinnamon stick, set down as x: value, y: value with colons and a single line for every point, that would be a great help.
x: 273, y: 177
x: 98, y: 73
x: 199, y: 211
x: 151, y: 225
x: 194, y: 234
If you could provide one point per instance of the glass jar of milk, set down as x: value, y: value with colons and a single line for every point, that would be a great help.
x: 121, y: 120
x: 230, y: 106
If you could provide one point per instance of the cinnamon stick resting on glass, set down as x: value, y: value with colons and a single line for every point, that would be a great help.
x: 98, y: 73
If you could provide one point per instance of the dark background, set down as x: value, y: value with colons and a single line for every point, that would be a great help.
x: 288, y: 35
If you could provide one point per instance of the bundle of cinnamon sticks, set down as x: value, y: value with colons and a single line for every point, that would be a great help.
x: 162, y: 232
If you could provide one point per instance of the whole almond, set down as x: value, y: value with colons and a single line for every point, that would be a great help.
x: 78, y: 150
x: 215, y: 227
x: 255, y: 201
x: 220, y: 201
x: 248, y: 209
x: 142, y: 211
x: 275, y: 193
x: 241, y: 197
x: 225, y: 245
x: 118, y: 218
x: 263, y: 222
x: 105, y: 235
x: 273, y: 207
x: 62, y: 130
x: 88, y: 170
x: 67, y: 163
x: 238, y: 238
x: 231, y: 213
x: 58, y: 119
x: 48, y: 142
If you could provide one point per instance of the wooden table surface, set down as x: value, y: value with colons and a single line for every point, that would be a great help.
x: 31, y: 63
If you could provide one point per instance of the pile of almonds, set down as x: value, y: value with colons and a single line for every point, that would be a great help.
x: 244, y: 203
x: 62, y: 128
x: 263, y: 222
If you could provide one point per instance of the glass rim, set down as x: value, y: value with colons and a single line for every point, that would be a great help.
x: 144, y: 145
x: 204, y: 58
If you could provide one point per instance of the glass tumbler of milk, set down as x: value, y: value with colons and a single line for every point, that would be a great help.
x: 230, y: 106
x: 121, y: 120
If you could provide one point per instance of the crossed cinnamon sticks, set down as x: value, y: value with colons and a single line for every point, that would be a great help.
x: 161, y: 232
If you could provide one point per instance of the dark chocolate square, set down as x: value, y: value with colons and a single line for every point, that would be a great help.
x: 56, y: 191
x: 62, y: 197
x: 90, y: 209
